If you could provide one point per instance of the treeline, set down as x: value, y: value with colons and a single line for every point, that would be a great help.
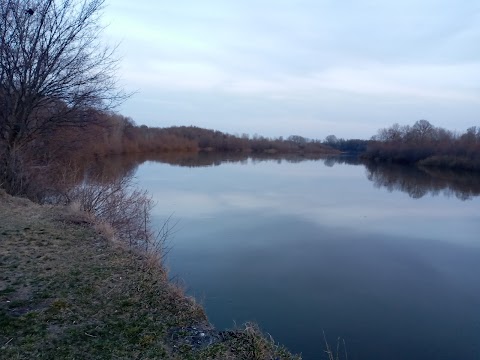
x: 426, y: 145
x: 352, y: 146
x: 115, y: 134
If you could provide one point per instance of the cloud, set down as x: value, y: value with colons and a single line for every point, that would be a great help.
x: 457, y: 82
x: 285, y: 50
x: 176, y: 76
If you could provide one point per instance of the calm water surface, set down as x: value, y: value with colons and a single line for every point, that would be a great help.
x: 386, y: 258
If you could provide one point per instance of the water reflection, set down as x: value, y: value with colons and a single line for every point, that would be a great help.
x: 416, y: 182
x: 112, y: 168
x: 330, y: 161
x: 206, y: 159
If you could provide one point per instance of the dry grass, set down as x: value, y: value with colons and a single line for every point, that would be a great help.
x: 253, y: 344
x: 339, y: 353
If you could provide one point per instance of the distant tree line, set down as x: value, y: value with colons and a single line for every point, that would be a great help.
x: 112, y: 134
x: 355, y: 146
x: 426, y: 145
x: 116, y: 134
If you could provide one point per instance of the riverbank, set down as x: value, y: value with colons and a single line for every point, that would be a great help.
x: 67, y: 291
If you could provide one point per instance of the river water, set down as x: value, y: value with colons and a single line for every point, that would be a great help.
x: 386, y: 258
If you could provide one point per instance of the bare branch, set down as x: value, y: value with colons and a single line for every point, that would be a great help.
x: 53, y: 69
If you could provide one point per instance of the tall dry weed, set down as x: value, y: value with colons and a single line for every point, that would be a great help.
x: 122, y: 212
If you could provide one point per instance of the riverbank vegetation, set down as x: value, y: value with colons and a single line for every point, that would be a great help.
x: 426, y: 145
x: 351, y: 146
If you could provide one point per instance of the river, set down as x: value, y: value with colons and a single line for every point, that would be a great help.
x: 385, y: 257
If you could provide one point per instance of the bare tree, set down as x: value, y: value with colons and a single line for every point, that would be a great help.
x: 422, y: 130
x: 297, y: 139
x: 331, y: 140
x: 53, y: 72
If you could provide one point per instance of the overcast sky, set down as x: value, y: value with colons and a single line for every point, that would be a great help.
x: 306, y: 67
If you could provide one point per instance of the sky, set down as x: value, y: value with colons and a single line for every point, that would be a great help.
x: 304, y: 67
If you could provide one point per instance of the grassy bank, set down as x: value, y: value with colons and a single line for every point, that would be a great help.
x: 66, y: 291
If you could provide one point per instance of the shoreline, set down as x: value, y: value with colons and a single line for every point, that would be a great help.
x: 68, y: 291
